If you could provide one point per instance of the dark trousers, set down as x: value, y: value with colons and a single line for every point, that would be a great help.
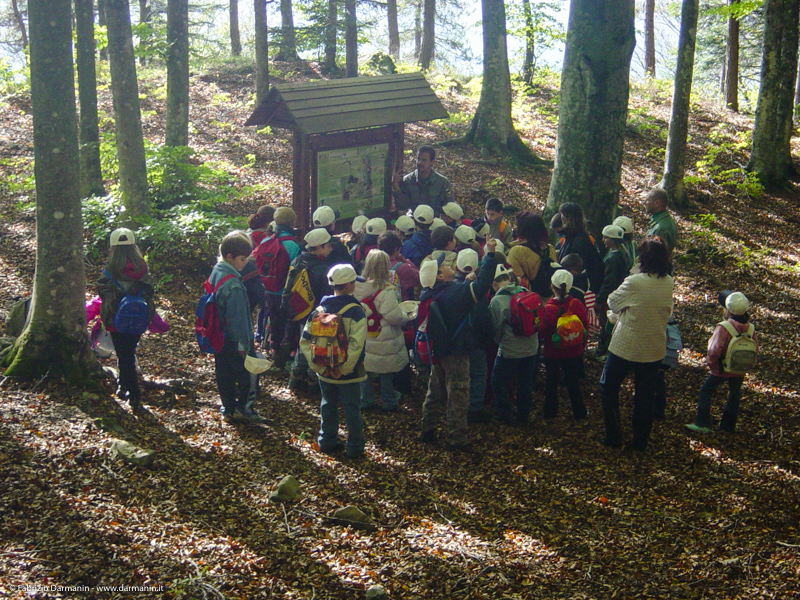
x: 644, y: 375
x: 660, y: 400
x: 731, y: 412
x: 233, y: 380
x: 573, y: 370
x: 523, y: 372
x: 277, y: 322
x: 125, y: 347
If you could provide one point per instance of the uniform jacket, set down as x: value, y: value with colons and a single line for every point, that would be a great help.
x: 434, y: 191
x: 663, y: 225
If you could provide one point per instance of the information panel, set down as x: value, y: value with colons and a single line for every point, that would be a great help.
x: 351, y: 180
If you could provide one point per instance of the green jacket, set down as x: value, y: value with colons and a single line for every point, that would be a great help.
x: 663, y: 225
x: 434, y: 191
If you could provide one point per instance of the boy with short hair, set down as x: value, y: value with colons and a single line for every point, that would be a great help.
x: 451, y: 214
x: 233, y: 380
x: 325, y: 217
x: 498, y: 228
x: 340, y: 385
x: 405, y: 275
x: 444, y: 242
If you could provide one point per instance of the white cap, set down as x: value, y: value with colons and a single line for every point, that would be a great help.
x: 375, y: 226
x: 614, y: 232
x: 561, y: 277
x: 465, y: 234
x: 428, y: 272
x: 423, y: 214
x: 317, y: 237
x: 358, y: 224
x: 625, y: 223
x: 122, y: 237
x: 323, y: 216
x: 467, y: 260
x: 501, y: 270
x: 437, y: 222
x: 404, y: 224
x: 737, y: 303
x: 256, y: 364
x: 483, y: 230
x: 341, y: 274
x: 453, y: 210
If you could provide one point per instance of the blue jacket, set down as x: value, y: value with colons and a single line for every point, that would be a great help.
x: 233, y: 306
x: 417, y: 247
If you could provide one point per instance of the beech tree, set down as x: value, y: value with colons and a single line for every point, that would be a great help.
x: 771, y: 158
x: 394, y: 29
x: 54, y: 340
x: 91, y: 177
x: 731, y: 90
x: 287, y: 46
x: 331, y: 28
x: 127, y: 113
x: 233, y: 18
x: 262, y: 50
x: 428, y: 34
x: 177, y: 121
x: 350, y: 38
x: 675, y: 160
x: 594, y: 108
x: 650, y: 38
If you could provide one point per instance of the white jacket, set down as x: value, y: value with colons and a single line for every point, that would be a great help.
x: 386, y: 353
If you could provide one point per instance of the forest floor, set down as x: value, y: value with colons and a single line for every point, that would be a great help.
x: 538, y: 512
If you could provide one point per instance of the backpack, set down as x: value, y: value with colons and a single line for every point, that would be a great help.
x: 674, y: 346
x: 569, y: 329
x: 526, y: 313
x: 429, y: 329
x: 741, y: 353
x: 592, y: 322
x: 272, y: 261
x: 133, y: 314
x: 373, y: 316
x: 208, y: 325
x: 329, y: 340
x: 541, y: 283
x: 301, y: 297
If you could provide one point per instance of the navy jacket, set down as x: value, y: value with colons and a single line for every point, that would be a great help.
x: 417, y: 247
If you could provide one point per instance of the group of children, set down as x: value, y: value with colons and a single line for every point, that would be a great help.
x: 471, y: 300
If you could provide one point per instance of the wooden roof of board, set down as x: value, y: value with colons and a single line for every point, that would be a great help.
x: 340, y: 104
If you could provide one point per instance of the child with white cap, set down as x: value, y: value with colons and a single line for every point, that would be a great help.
x: 732, y: 352
x: 372, y: 229
x: 325, y: 217
x: 615, y: 271
x: 405, y: 227
x: 451, y: 214
x: 340, y: 384
x: 628, y: 246
x: 419, y: 245
x: 444, y: 242
x: 357, y: 227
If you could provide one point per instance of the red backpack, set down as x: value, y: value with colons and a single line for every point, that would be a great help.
x: 208, y: 325
x: 373, y: 316
x: 272, y: 261
x: 526, y: 313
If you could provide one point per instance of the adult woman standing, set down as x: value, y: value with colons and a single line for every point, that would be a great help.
x: 530, y: 254
x: 640, y: 308
x: 578, y: 241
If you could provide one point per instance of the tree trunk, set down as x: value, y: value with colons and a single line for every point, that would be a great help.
x: 732, y: 63
x: 593, y: 109
x: 127, y: 114
x: 527, y: 63
x: 797, y: 98
x: 771, y: 158
x: 101, y: 21
x: 91, y: 177
x: 331, y: 27
x: 492, y: 128
x: 350, y: 38
x: 177, y: 128
x: 675, y: 161
x: 262, y: 51
x: 394, y: 29
x: 426, y: 50
x: 417, y: 29
x: 650, y: 38
x: 236, y: 40
x: 20, y: 23
x: 287, y: 50
x: 54, y: 340
x: 144, y: 17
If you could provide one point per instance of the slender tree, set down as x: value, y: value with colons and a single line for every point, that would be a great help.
x: 144, y: 19
x: 177, y: 128
x: 233, y: 17
x: 262, y: 50
x: 350, y: 38
x: 54, y: 340
x: 527, y: 63
x: 91, y: 179
x: 20, y: 22
x: 732, y: 60
x: 394, y: 29
x: 771, y: 157
x: 593, y: 108
x: 101, y: 21
x: 650, y: 38
x: 127, y: 113
x: 427, y: 45
x: 675, y: 160
x: 417, y: 29
x: 287, y: 48
x: 331, y: 28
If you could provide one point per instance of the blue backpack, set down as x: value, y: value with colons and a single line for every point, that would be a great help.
x: 133, y: 314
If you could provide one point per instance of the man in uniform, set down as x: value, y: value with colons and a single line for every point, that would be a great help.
x: 423, y: 186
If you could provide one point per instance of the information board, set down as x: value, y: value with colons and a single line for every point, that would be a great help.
x: 351, y: 180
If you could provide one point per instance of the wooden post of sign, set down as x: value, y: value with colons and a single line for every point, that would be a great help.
x: 301, y: 175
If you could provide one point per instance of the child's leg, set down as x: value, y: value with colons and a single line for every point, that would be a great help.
x: 389, y: 397
x: 477, y: 380
x: 729, y: 416
x: 350, y: 397
x: 436, y: 395
x: 525, y: 376
x: 367, y: 393
x: 456, y: 371
x: 225, y: 372
x: 125, y: 347
x: 329, y: 417
x: 572, y: 371
x: 552, y: 371
x: 501, y: 373
x: 703, y: 416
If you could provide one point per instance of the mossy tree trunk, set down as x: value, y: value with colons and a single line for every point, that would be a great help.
x: 262, y: 50
x: 177, y: 128
x: 428, y: 41
x: 331, y: 29
x: 492, y: 127
x: 394, y: 29
x: 127, y: 113
x: 771, y: 157
x: 91, y: 179
x: 675, y: 160
x: 233, y: 18
x: 593, y: 108
x: 54, y: 339
x: 287, y: 49
x: 350, y: 38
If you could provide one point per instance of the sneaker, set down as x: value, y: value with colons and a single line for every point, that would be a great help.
x: 252, y: 416
x: 298, y: 384
x: 232, y: 417
x: 601, y: 357
x: 727, y: 428
x: 697, y: 428
x: 335, y: 449
x: 428, y: 437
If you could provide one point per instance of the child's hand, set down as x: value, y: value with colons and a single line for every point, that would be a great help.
x: 491, y: 244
